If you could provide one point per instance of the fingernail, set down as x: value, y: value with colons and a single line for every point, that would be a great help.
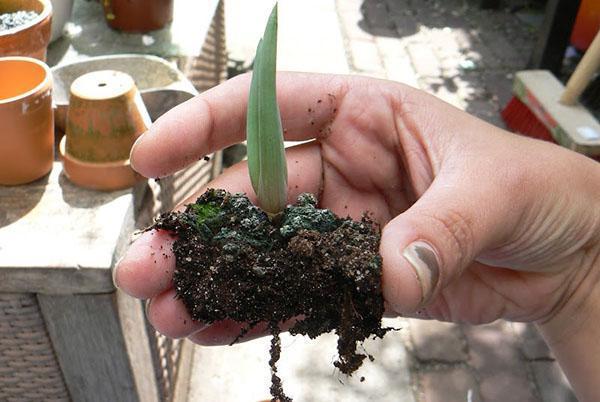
x: 424, y: 261
x: 132, y: 151
x: 147, y: 307
x: 114, y: 273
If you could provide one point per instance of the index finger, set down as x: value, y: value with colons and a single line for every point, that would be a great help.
x: 217, y: 118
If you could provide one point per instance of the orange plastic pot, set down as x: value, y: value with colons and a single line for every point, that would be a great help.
x: 32, y: 38
x: 138, y: 15
x: 106, y: 115
x: 26, y: 120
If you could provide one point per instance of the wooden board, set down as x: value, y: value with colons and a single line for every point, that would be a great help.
x: 92, y: 337
x: 58, y: 238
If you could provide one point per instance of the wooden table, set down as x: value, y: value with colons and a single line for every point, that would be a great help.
x: 65, y: 332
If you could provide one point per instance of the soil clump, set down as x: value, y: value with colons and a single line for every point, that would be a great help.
x: 233, y: 262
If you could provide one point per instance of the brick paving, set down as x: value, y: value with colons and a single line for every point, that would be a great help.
x: 461, y: 54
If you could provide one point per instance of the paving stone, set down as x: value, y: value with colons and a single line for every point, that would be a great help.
x: 353, y: 25
x: 396, y: 7
x: 365, y: 56
x: 348, y: 5
x: 423, y: 59
x: 400, y: 69
x: 443, y: 88
x: 391, y: 47
x: 494, y: 353
x: 241, y: 372
x: 318, y: 48
x: 405, y: 22
x: 449, y: 384
x: 500, y: 84
x: 444, y: 43
x: 552, y: 383
x: 315, y: 47
x: 396, y: 62
x: 503, y: 49
x: 308, y: 375
x: 437, y: 341
x: 377, y: 18
x: 472, y: 48
x: 485, y: 110
x: 426, y: 13
x: 532, y: 344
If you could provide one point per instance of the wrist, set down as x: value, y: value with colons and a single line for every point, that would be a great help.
x: 580, y: 312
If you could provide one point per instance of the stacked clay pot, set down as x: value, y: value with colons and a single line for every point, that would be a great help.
x: 105, y: 117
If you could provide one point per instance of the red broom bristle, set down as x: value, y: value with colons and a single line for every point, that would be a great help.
x: 520, y: 119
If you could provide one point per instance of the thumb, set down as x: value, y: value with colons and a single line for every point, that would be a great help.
x: 431, y: 243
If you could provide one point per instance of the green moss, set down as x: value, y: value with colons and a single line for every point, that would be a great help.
x: 204, y: 212
x: 230, y: 219
x: 305, y: 215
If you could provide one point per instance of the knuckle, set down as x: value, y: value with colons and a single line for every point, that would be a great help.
x: 456, y: 231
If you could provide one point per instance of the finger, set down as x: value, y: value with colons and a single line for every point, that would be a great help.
x: 464, y: 211
x: 228, y: 331
x: 217, y: 118
x: 147, y: 267
x: 168, y: 315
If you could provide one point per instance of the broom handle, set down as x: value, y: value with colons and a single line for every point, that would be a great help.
x: 583, y: 73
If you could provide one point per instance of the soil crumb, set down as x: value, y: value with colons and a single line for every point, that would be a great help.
x: 233, y: 262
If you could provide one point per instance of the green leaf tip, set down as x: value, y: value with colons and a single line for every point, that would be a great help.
x: 266, y: 155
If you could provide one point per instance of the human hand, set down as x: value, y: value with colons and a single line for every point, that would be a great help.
x: 480, y: 224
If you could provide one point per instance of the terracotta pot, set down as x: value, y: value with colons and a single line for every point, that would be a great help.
x: 27, y: 122
x: 105, y: 116
x: 32, y: 38
x: 98, y: 176
x: 138, y: 15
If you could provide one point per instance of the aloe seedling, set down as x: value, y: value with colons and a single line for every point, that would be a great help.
x: 266, y: 155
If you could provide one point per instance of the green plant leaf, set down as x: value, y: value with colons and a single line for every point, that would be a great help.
x: 266, y: 155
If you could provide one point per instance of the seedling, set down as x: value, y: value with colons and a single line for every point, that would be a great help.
x: 266, y: 155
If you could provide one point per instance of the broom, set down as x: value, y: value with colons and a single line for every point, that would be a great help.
x: 543, y: 108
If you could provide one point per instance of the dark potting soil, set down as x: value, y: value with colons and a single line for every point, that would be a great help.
x: 18, y: 18
x: 233, y: 262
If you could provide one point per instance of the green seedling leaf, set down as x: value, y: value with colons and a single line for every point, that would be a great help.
x: 266, y: 156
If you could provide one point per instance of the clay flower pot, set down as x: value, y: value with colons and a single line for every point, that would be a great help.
x: 27, y: 122
x: 30, y: 39
x: 105, y: 116
x: 138, y: 15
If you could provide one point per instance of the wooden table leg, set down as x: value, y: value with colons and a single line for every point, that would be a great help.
x: 102, y: 347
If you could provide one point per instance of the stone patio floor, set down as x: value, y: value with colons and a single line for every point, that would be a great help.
x: 465, y: 56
